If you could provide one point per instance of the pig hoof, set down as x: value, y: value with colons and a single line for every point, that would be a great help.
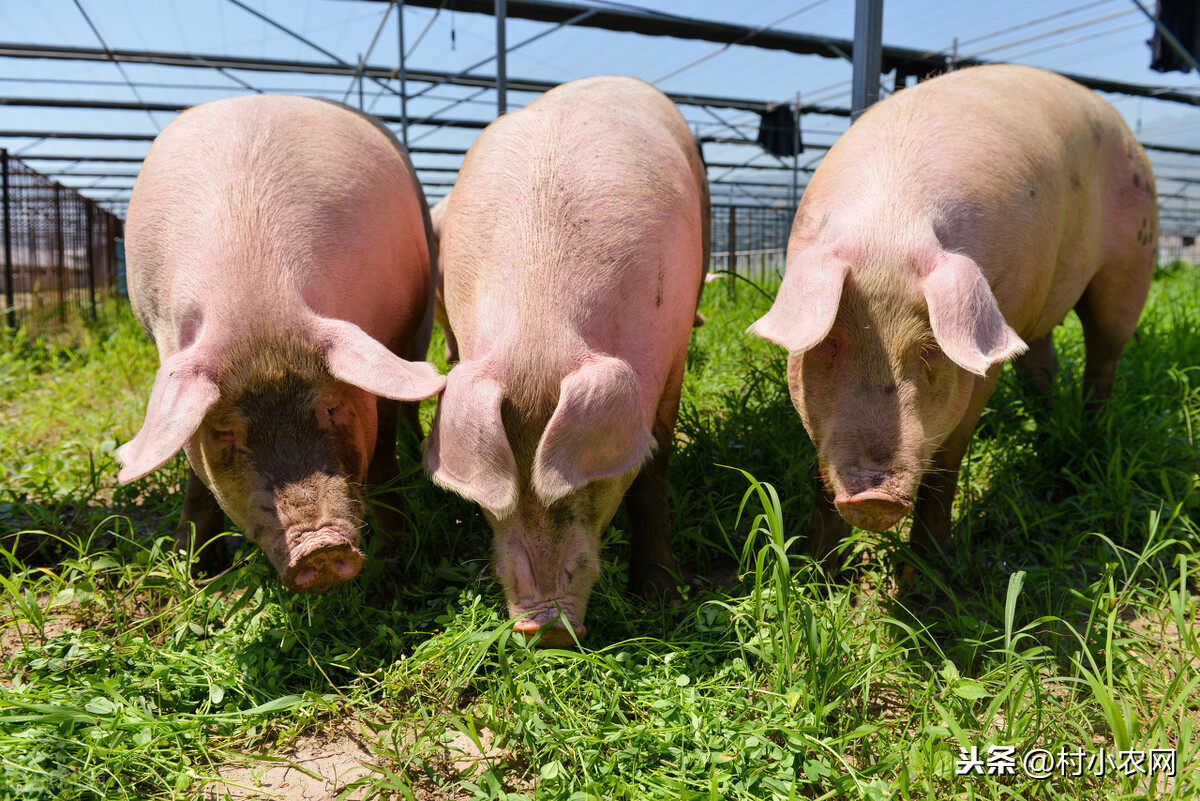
x: 323, y: 569
x: 873, y: 510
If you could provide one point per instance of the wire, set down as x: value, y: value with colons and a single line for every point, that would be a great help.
x: 425, y: 30
x: 1033, y: 22
x: 742, y: 40
x: 1077, y: 40
x: 119, y: 67
x: 363, y: 59
x: 1057, y: 31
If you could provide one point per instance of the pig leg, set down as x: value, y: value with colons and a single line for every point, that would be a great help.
x: 935, y: 498
x: 382, y: 469
x: 651, y: 559
x: 1040, y: 364
x: 1108, y: 312
x: 201, y: 521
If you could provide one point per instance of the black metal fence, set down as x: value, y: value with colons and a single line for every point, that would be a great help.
x: 750, y: 240
x: 59, y: 249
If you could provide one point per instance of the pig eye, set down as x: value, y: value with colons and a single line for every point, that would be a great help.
x: 222, y: 437
x: 338, y: 414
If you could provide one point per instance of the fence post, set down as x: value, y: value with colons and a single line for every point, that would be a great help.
x: 91, y: 256
x: 62, y: 256
x: 732, y: 251
x: 9, y: 295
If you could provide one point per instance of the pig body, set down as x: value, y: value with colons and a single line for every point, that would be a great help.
x: 279, y: 257
x: 953, y: 223
x: 437, y: 215
x: 574, y: 245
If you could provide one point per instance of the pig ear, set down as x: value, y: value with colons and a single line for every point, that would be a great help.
x: 965, y: 317
x: 181, y: 396
x: 467, y: 451
x: 807, y: 302
x: 597, y: 431
x: 356, y: 358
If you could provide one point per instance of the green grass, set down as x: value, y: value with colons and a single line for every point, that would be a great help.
x: 1064, y: 616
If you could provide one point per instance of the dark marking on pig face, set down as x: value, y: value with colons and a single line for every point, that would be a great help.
x: 548, y: 558
x: 877, y: 396
x: 1032, y: 192
x: 285, y: 452
x: 1137, y: 180
x: 1075, y: 182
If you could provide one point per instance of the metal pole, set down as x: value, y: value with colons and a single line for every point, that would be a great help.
x: 796, y: 156
x: 403, y: 76
x: 501, y: 67
x: 9, y: 296
x: 360, y: 87
x: 62, y: 264
x: 868, y: 54
x: 732, y: 247
x: 91, y: 256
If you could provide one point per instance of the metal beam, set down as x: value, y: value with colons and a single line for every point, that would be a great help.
x: 129, y: 105
x: 501, y: 58
x: 175, y: 59
x: 112, y: 137
x: 654, y: 23
x: 868, y: 55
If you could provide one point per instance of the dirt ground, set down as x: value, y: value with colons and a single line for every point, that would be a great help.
x: 324, y: 766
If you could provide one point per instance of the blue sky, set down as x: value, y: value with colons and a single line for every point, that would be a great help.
x: 1103, y: 38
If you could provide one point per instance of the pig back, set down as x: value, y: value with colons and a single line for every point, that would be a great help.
x: 576, y: 226
x: 264, y: 209
x: 1033, y: 176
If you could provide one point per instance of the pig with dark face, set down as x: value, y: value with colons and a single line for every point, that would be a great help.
x: 574, y: 249
x: 953, y: 223
x: 279, y: 257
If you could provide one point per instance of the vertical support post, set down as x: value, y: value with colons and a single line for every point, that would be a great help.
x: 9, y: 293
x: 89, y: 221
x: 62, y: 256
x: 796, y: 156
x: 868, y: 55
x: 403, y: 75
x: 360, y: 84
x: 732, y: 249
x: 501, y: 65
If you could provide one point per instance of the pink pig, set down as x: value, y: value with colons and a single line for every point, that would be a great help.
x: 278, y: 256
x: 437, y: 215
x: 574, y: 246
x: 952, y: 224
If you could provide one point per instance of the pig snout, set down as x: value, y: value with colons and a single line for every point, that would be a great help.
x: 547, y: 617
x: 872, y: 510
x: 311, y: 532
x: 870, y: 498
x: 548, y: 582
x: 322, y: 560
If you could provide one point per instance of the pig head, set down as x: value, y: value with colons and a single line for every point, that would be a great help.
x: 882, y: 373
x: 278, y: 256
x: 281, y: 431
x: 547, y: 484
